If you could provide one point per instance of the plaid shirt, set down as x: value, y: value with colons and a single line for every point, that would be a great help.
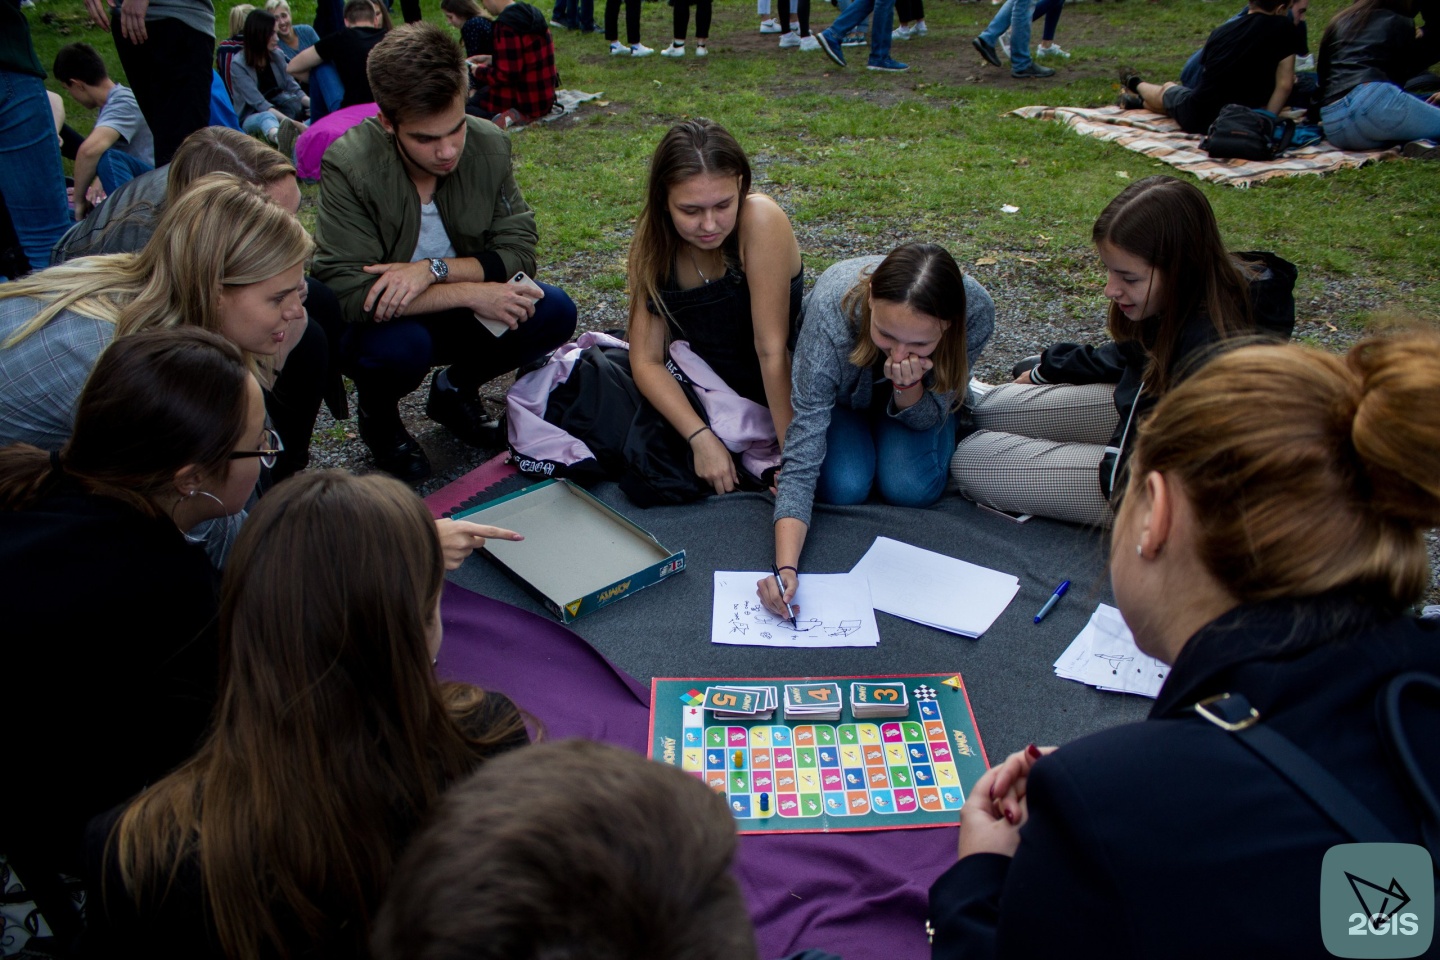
x: 522, y: 75
x: 41, y: 376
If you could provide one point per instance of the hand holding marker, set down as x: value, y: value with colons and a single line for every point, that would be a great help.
x: 1054, y: 599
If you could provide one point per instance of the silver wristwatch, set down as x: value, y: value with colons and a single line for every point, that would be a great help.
x: 440, y: 269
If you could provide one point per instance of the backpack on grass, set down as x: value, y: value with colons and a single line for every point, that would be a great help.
x: 1241, y: 133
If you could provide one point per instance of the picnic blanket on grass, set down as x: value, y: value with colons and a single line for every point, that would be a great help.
x: 861, y: 895
x: 1160, y: 137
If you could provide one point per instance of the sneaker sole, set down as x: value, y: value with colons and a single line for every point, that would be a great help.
x: 835, y: 54
x: 871, y: 66
x: 988, y: 52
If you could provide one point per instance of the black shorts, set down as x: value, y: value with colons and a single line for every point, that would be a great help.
x: 1179, y: 104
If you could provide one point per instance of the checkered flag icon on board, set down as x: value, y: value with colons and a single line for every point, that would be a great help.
x: 923, y: 692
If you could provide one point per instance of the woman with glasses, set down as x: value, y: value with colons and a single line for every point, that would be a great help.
x: 109, y: 611
x: 330, y: 742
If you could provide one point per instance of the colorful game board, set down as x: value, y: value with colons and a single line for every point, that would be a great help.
x: 804, y: 776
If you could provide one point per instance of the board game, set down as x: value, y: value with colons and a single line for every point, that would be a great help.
x: 813, y: 775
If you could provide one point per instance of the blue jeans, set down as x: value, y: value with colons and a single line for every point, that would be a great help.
x: 1376, y: 115
x: 864, y: 25
x: 327, y: 93
x: 116, y: 167
x: 882, y: 14
x: 909, y: 467
x: 33, y: 184
x: 260, y: 124
x: 1014, y: 16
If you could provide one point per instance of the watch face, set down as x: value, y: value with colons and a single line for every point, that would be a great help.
x: 440, y: 268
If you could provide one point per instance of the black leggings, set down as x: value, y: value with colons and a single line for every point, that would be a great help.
x: 802, y: 13
x: 702, y: 19
x: 632, y: 21
x: 908, y: 11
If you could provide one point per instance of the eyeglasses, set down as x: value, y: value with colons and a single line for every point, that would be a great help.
x: 272, y: 449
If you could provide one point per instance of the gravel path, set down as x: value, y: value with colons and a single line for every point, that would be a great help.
x: 1038, y: 302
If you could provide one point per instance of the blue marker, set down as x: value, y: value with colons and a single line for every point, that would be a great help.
x: 1054, y: 599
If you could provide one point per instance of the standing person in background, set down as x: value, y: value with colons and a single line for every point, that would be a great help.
x: 883, y: 16
x: 166, y: 48
x: 33, y: 186
x: 911, y: 14
x: 632, y: 47
x: 682, y: 26
x: 1047, y: 47
x: 798, y: 36
x: 1014, y: 17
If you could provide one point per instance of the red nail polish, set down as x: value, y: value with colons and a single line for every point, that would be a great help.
x: 1033, y: 752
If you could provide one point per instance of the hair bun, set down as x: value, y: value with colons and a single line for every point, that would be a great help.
x: 1396, y: 428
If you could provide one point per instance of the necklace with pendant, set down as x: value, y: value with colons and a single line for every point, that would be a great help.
x: 696, y: 264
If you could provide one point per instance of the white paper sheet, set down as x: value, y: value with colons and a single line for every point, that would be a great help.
x: 834, y: 611
x: 1104, y: 655
x: 934, y: 589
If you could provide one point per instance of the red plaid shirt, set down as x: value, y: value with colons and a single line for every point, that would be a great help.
x: 522, y: 75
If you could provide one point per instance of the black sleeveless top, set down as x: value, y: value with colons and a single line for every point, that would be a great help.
x: 715, y: 319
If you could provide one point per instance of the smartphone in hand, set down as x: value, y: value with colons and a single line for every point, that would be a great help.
x: 498, y: 328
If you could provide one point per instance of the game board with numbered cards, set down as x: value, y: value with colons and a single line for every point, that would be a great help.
x: 823, y: 754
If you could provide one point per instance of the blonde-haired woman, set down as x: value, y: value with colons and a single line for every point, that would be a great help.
x: 1269, y: 546
x: 225, y: 258
x: 881, y: 368
x: 294, y: 37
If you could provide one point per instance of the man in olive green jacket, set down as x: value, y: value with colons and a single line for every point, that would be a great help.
x: 421, y: 230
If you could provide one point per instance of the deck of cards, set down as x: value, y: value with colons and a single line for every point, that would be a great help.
x: 879, y: 700
x: 813, y: 701
x: 740, y: 703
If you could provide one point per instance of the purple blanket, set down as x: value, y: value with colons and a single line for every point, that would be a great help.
x: 861, y: 895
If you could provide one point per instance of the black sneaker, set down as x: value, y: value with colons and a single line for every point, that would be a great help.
x: 466, y: 417
x: 1032, y: 72
x: 987, y: 51
x: 1130, y: 80
x: 1421, y: 150
x: 1129, y: 101
x: 394, y: 450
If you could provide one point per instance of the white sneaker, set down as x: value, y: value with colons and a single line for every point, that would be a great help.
x: 674, y: 50
x: 1004, y: 45
x: 770, y: 26
x: 919, y: 29
x: 640, y: 50
x: 809, y: 43
x: 701, y: 50
x: 901, y: 32
x: 618, y: 49
x: 1051, y: 51
x: 794, y: 26
x: 790, y: 41
x: 1305, y: 63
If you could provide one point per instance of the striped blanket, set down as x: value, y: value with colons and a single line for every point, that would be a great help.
x: 1160, y: 137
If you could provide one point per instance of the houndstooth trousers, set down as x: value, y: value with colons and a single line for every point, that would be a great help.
x: 1038, y: 450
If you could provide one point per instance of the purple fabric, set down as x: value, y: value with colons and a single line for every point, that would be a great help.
x: 861, y: 895
x: 744, y: 426
x: 311, y: 146
x: 526, y: 401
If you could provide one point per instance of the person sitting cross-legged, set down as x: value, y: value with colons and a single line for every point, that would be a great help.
x: 421, y: 226
x: 1249, y: 60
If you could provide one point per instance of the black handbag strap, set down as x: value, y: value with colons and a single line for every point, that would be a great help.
x: 1233, y: 714
x: 1287, y: 137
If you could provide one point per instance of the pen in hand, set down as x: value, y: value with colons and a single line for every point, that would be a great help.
x: 780, y: 584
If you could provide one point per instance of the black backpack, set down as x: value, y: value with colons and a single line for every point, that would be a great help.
x: 1245, y: 134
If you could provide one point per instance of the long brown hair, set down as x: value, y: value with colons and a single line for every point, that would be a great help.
x: 155, y: 403
x: 1168, y: 223
x: 222, y: 150
x: 926, y: 277
x: 1309, y: 472
x: 331, y: 737
x: 258, y: 27
x: 689, y: 149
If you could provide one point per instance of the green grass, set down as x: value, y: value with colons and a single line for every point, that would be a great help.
x: 867, y: 160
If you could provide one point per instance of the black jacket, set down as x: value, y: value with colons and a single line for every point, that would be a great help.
x: 1169, y: 838
x: 1272, y: 300
x: 1384, y: 49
